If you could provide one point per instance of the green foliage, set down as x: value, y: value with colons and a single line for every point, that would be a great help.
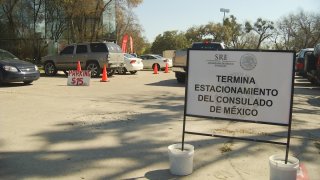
x: 210, y: 31
x: 232, y: 32
x: 67, y: 21
x: 170, y: 40
x: 263, y: 28
x: 80, y: 20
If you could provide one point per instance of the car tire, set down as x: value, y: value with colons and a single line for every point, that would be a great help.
x: 50, y: 69
x: 66, y: 72
x: 1, y: 78
x: 133, y: 72
x: 110, y: 72
x: 123, y: 71
x: 94, y: 68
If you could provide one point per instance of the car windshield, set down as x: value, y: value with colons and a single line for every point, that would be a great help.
x: 157, y: 56
x: 129, y: 56
x: 6, y: 55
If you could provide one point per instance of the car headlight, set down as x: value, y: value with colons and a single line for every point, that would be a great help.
x: 36, y: 68
x: 10, y: 68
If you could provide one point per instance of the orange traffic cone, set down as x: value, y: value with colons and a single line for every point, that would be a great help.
x: 167, y: 68
x: 79, y: 66
x: 104, y: 75
x: 155, y: 69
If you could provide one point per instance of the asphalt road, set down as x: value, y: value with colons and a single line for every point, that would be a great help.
x: 121, y: 130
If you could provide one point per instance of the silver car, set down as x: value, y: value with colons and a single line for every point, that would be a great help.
x: 92, y: 56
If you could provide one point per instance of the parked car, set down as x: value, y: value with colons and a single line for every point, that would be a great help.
x: 12, y: 69
x: 152, y: 60
x: 299, y: 64
x: 92, y: 56
x: 131, y: 64
x: 312, y: 65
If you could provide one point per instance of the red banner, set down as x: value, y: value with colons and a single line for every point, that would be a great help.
x: 131, y: 45
x: 124, y: 43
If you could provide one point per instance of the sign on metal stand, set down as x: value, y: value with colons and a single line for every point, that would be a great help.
x: 240, y: 85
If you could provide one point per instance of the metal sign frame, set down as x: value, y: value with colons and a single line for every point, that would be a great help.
x: 287, y: 144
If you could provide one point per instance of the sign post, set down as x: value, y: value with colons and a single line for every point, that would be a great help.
x: 240, y: 85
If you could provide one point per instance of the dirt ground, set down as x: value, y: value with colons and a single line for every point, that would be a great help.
x: 121, y: 130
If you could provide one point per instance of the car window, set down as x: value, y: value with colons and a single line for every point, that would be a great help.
x: 114, y: 48
x: 117, y: 48
x: 81, y: 49
x: 145, y: 57
x: 111, y: 48
x: 98, y: 47
x: 6, y: 55
x: 151, y: 57
x: 302, y: 53
x: 67, y: 50
x: 306, y: 53
x: 142, y: 57
x: 129, y: 56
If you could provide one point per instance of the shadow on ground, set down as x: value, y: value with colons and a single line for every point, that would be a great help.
x: 168, y: 83
x: 13, y: 85
x: 142, y: 149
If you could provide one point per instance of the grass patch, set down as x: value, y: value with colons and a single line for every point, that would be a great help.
x: 226, y: 147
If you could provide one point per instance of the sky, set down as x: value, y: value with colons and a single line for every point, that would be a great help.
x: 158, y: 16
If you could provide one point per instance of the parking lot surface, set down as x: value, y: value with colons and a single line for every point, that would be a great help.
x: 121, y: 130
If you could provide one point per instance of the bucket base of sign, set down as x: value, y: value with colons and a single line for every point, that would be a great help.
x: 181, y: 162
x: 281, y: 171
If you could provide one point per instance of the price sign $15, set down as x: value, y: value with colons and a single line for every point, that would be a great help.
x: 78, y: 81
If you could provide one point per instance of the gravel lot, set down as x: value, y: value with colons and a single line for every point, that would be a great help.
x: 121, y: 130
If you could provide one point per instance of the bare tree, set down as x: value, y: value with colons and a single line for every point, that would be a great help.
x: 263, y: 28
x: 127, y: 23
x: 8, y: 8
x: 297, y: 31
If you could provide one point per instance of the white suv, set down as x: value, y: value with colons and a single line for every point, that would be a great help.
x: 92, y: 56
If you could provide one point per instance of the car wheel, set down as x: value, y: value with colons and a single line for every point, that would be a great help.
x: 27, y: 82
x: 50, y: 69
x: 133, y: 72
x: 1, y: 78
x: 66, y: 72
x: 110, y: 72
x: 124, y: 71
x: 94, y: 68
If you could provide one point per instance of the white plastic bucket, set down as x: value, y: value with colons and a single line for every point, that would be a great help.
x: 281, y: 171
x: 181, y: 162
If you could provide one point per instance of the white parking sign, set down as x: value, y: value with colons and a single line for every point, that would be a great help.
x: 243, y: 85
x: 79, y: 78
